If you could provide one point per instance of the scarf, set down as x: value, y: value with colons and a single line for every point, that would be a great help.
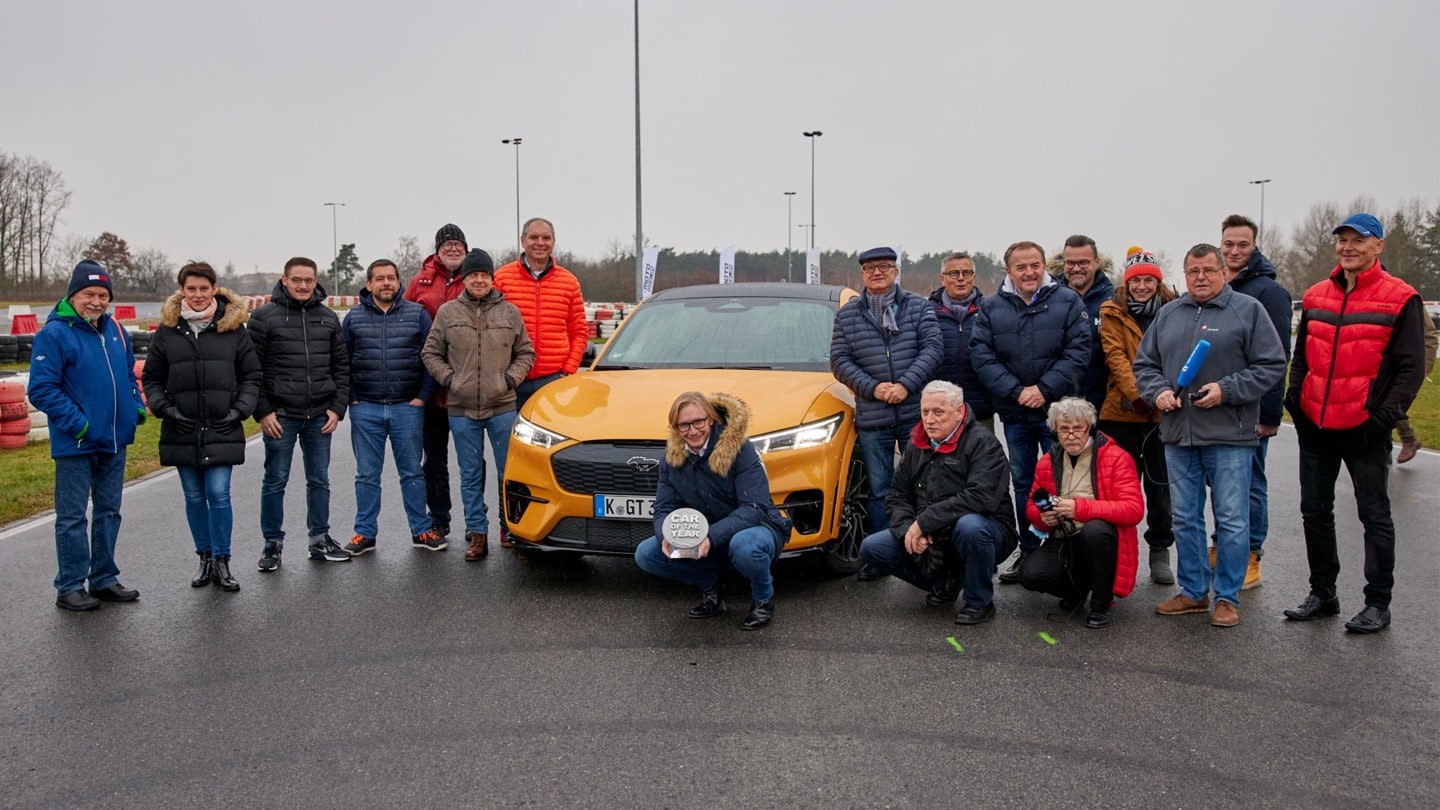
x: 883, y: 308
x: 200, y: 319
x: 1146, y: 309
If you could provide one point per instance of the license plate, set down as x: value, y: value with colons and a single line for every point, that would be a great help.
x: 629, y: 507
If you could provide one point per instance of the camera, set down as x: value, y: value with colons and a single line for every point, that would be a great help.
x: 1042, y: 500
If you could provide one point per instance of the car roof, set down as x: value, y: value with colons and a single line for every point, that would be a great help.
x: 754, y: 289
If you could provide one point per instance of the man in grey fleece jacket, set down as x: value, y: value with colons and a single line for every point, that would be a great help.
x: 1210, y: 428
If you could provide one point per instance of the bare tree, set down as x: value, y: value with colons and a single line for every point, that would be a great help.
x: 153, y: 272
x: 66, y: 252
x: 408, y: 256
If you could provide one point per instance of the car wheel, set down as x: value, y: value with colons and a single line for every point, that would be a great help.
x: 841, y: 556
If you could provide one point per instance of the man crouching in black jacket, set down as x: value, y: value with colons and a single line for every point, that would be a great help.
x: 949, y: 508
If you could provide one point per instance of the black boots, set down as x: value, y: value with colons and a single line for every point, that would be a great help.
x: 207, y: 570
x: 221, y: 575
x: 710, y: 604
x: 214, y: 570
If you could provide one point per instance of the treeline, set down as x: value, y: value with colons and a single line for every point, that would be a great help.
x: 36, y: 259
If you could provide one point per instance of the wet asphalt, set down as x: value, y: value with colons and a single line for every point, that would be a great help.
x: 410, y: 678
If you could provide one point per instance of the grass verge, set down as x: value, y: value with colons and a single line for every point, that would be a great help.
x: 27, y: 475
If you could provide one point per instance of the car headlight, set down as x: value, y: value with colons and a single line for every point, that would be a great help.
x: 798, y: 438
x: 536, y: 436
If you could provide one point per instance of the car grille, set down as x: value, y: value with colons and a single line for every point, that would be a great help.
x: 607, y: 468
x: 601, y: 535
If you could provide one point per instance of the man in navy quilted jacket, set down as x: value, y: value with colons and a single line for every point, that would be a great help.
x: 1030, y: 347
x: 885, y: 347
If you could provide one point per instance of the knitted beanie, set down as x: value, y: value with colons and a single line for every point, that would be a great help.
x: 1141, y: 262
x: 448, y: 233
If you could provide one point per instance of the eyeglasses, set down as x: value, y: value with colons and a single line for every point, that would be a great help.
x: 1196, y: 272
x: 952, y: 274
x: 689, y: 427
x: 876, y: 269
x: 1079, y: 430
x: 1078, y: 264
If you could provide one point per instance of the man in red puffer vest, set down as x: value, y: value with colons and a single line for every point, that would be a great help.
x: 1345, y: 403
x: 549, y: 299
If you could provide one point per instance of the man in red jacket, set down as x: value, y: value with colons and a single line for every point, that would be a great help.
x: 1344, y: 405
x: 438, y: 281
x: 549, y: 299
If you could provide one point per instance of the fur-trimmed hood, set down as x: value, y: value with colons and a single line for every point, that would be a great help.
x: 234, y: 316
x: 726, y: 438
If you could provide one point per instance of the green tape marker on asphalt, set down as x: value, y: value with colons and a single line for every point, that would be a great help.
x: 955, y: 644
x: 1046, y: 637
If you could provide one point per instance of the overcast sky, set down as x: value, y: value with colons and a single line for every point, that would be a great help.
x: 218, y: 131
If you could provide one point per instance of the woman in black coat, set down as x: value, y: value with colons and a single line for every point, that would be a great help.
x: 202, y: 378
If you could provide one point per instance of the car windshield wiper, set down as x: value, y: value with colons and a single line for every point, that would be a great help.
x: 609, y: 367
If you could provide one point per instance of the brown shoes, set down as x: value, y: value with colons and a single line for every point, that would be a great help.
x: 479, y: 546
x: 1180, y: 604
x: 1226, y: 615
x: 1408, y: 451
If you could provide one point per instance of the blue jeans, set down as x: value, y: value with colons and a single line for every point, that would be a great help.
x: 1259, y: 498
x: 207, y: 508
x: 972, y: 550
x: 749, y: 551
x: 79, y: 480
x: 1025, y: 441
x: 877, y: 453
x: 279, y: 453
x: 1225, y: 469
x: 469, y: 437
x: 404, y: 424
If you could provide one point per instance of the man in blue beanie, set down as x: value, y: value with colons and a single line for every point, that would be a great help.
x: 87, y: 389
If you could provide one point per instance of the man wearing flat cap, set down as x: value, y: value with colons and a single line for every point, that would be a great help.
x: 1345, y: 403
x: 885, y: 347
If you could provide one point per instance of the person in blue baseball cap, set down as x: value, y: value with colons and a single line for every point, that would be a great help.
x: 1344, y: 405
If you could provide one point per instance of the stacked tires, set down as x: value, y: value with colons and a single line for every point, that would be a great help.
x: 9, y: 348
x: 140, y: 342
x: 14, y: 414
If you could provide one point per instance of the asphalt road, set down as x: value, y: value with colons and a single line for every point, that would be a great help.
x: 408, y: 678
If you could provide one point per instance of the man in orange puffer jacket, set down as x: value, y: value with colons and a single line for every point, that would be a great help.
x: 549, y: 299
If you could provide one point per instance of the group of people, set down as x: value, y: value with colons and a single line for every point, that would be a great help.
x: 1118, y: 403
x: 1123, y: 403
x: 454, y: 354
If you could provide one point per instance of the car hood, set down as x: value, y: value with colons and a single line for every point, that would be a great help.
x: 635, y: 404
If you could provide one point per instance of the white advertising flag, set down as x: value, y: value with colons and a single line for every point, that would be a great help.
x: 812, y: 266
x: 727, y: 265
x: 899, y: 259
x: 652, y: 259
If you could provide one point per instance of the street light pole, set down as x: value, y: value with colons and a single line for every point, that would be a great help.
x: 639, y: 227
x: 335, y: 244
x: 518, y: 241
x: 812, y: 136
x: 1261, y: 184
x: 789, y: 231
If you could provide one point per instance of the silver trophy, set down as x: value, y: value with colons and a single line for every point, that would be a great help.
x: 684, y: 529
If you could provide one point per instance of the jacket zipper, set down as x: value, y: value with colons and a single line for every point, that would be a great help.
x: 114, y: 391
x: 1334, y: 352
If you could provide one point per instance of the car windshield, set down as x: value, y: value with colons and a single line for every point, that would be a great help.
x: 738, y: 332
